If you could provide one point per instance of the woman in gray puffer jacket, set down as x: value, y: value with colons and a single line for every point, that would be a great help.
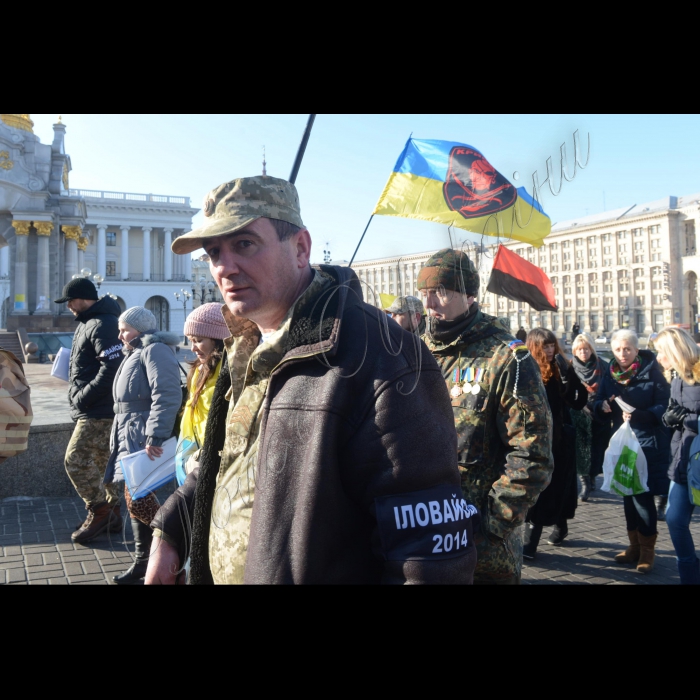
x: 147, y: 398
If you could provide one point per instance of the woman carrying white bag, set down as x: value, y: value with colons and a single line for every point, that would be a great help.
x: 637, y: 379
x: 147, y: 398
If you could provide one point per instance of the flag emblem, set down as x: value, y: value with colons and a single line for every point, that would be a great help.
x: 473, y: 187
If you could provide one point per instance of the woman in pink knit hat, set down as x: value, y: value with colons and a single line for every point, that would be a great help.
x: 206, y: 330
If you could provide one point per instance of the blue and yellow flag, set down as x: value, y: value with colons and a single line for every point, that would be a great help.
x: 453, y: 184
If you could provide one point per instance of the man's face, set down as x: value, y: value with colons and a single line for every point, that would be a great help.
x: 257, y: 274
x: 444, y: 304
x: 77, y: 306
x: 407, y: 321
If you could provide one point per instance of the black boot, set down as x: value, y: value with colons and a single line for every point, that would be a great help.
x: 585, y: 487
x: 531, y: 538
x: 660, y: 502
x: 143, y: 535
x: 559, y: 532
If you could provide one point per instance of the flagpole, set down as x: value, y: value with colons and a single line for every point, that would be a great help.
x: 302, y: 149
x: 360, y: 243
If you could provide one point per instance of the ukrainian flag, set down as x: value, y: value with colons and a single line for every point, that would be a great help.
x: 453, y: 184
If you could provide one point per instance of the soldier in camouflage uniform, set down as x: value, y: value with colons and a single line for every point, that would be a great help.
x: 409, y: 313
x: 504, y: 427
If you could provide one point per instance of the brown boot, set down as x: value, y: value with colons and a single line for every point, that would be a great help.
x: 116, y: 524
x: 98, y: 520
x: 631, y: 554
x: 646, y: 556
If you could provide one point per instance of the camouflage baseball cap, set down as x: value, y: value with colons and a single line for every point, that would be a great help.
x: 403, y: 305
x: 235, y: 204
x: 451, y: 269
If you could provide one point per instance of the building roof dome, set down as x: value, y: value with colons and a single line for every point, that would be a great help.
x: 18, y: 121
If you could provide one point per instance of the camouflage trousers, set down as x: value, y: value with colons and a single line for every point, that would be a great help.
x: 86, y: 459
x: 499, y: 561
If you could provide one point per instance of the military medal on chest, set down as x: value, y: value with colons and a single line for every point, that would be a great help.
x: 466, y: 381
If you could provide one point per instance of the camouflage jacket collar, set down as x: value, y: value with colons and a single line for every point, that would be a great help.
x: 311, y: 326
x: 482, y: 327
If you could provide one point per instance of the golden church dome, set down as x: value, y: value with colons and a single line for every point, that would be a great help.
x: 18, y: 121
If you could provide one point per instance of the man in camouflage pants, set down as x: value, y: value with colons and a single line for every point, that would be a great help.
x: 503, y: 422
x: 94, y: 359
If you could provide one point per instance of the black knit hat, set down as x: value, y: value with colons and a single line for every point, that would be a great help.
x: 80, y: 288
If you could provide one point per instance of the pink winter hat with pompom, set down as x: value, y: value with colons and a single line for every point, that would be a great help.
x: 206, y: 321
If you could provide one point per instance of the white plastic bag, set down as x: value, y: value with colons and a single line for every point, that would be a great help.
x: 625, y: 466
x: 61, y: 365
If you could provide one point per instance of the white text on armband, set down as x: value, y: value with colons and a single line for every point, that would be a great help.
x: 422, y: 514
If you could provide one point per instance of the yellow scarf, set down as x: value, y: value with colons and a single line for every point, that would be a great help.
x: 194, y: 420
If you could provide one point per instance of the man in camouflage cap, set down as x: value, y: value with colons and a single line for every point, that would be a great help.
x: 504, y: 427
x: 409, y: 313
x: 310, y: 471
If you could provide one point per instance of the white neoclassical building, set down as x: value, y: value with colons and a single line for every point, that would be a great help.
x: 50, y: 233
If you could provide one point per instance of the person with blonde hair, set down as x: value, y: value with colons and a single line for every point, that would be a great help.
x: 679, y: 355
x: 592, y: 434
x: 637, y: 379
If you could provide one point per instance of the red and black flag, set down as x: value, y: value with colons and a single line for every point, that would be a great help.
x: 519, y: 280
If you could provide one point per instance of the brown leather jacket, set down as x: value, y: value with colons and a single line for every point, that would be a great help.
x: 357, y: 478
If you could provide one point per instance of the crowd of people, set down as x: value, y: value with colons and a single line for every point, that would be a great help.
x: 322, y: 441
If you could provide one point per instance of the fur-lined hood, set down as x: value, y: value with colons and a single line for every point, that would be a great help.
x: 160, y: 337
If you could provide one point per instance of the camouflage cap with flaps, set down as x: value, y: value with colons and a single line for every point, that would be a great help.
x: 451, y: 269
x: 407, y: 304
x: 236, y: 204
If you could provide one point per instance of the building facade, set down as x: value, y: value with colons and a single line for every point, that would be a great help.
x: 49, y: 233
x: 635, y: 267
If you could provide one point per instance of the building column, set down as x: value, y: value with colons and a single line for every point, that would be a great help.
x: 187, y: 267
x: 102, y: 250
x: 44, y: 229
x: 72, y: 236
x: 146, y: 252
x: 125, y: 251
x: 82, y: 247
x: 167, y: 255
x: 5, y: 261
x: 21, y: 239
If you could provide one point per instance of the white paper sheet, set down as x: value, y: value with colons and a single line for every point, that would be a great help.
x: 143, y: 475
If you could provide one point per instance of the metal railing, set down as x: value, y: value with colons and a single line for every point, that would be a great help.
x: 130, y: 196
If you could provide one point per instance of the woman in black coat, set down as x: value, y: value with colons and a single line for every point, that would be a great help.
x: 679, y: 355
x: 637, y: 378
x: 592, y: 434
x: 557, y: 503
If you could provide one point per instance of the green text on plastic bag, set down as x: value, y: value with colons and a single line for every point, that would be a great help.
x: 625, y: 479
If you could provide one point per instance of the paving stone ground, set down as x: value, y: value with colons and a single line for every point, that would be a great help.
x: 596, y: 535
x: 36, y: 549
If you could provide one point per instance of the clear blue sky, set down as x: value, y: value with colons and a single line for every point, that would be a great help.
x: 634, y: 159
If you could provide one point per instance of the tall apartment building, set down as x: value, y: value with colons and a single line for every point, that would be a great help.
x: 635, y: 267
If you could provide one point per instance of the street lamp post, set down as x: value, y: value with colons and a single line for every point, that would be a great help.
x: 185, y: 298
x: 204, y: 292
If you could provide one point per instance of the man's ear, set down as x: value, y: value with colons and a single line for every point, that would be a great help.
x: 302, y: 248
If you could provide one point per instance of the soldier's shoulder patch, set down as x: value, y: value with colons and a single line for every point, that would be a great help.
x: 435, y: 523
x: 517, y: 345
